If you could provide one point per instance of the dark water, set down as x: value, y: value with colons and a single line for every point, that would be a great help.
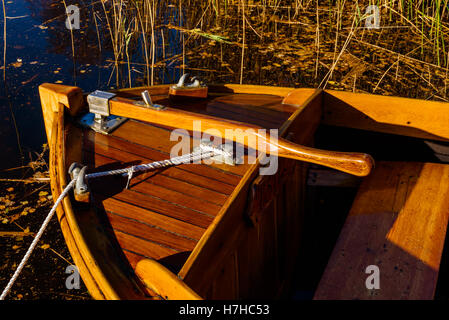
x: 32, y: 58
x: 38, y: 50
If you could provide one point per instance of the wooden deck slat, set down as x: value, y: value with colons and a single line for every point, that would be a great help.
x: 150, y: 233
x: 259, y: 103
x: 153, y: 219
x: 143, y: 184
x: 199, y: 175
x: 273, y: 119
x: 118, y: 159
x: 159, y: 206
x: 159, y: 139
x: 146, y: 248
x: 259, y: 119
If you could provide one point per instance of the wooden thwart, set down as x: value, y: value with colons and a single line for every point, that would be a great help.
x: 398, y: 223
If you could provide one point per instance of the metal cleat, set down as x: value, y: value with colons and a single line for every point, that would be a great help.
x: 194, y: 89
x: 81, y: 189
x: 147, y: 102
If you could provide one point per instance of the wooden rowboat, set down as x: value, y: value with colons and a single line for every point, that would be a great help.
x: 220, y: 231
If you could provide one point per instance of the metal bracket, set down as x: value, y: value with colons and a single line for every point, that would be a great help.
x: 99, y: 119
x: 103, y: 125
x: 99, y: 102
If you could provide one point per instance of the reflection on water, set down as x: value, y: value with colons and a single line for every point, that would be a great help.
x: 35, y: 53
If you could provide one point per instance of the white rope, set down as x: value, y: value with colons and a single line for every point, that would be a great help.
x: 188, y: 158
x: 36, y: 240
x: 191, y: 157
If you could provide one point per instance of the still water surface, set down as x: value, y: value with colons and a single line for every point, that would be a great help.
x: 38, y: 50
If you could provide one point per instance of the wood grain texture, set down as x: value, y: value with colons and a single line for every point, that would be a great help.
x: 252, y: 274
x: 402, y: 116
x: 188, y: 92
x: 52, y: 96
x: 163, y: 214
x: 245, y: 134
x: 398, y: 222
x: 163, y: 281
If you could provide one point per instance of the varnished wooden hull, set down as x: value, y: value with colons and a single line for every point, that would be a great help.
x: 225, y: 231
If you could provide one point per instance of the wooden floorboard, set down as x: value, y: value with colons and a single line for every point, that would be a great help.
x: 170, y: 178
x: 145, y: 247
x: 159, y: 139
x: 196, y: 174
x: 153, y: 219
x: 150, y: 233
x: 143, y: 183
x: 157, y: 205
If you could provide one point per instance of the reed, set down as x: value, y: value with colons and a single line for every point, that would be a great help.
x: 192, y: 26
x: 4, y: 40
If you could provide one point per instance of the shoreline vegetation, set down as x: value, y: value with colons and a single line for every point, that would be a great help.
x: 297, y: 43
x: 289, y: 43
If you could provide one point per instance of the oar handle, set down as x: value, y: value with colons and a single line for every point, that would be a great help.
x: 359, y: 164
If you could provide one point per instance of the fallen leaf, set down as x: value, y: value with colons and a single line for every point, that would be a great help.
x: 16, y: 64
x: 10, y: 189
x: 43, y: 193
x: 45, y: 246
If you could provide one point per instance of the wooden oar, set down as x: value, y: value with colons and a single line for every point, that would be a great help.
x: 358, y: 164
